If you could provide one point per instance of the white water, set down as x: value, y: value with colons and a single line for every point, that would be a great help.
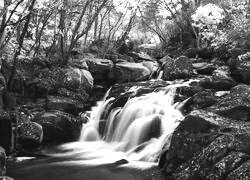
x: 136, y: 131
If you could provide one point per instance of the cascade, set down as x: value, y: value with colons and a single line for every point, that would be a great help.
x: 140, y: 128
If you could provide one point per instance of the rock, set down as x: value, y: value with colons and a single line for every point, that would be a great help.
x: 221, y: 152
x: 235, y: 105
x: 165, y: 59
x: 242, y: 172
x: 195, y: 132
x: 129, y: 72
x: 243, y: 67
x: 138, y: 57
x: 235, y: 52
x: 65, y: 104
x: 203, y: 141
x: 59, y: 126
x: 200, y: 100
x: 2, y: 162
x: 30, y: 135
x: 220, y: 80
x: 179, y: 68
x: 100, y: 68
x: 77, y: 80
x: 79, y: 63
x: 205, y: 53
x: 217, y: 85
x: 226, y: 165
x: 153, y: 67
x: 6, y: 136
x: 191, y: 52
x: 218, y: 61
x: 204, y: 68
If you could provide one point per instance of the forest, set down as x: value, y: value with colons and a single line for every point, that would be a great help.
x: 125, y: 89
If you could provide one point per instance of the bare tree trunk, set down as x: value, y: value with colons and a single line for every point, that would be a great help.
x: 20, y: 45
x: 76, y: 37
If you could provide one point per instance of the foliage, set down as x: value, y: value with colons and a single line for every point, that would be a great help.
x: 207, y: 20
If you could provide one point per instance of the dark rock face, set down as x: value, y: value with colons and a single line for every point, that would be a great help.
x: 199, y: 100
x: 127, y: 72
x: 30, y: 135
x: 191, y: 52
x: 100, y: 68
x: 208, y: 146
x: 2, y: 162
x: 6, y: 132
x: 204, y: 68
x: 235, y: 105
x: 179, y: 68
x: 64, y: 104
x: 58, y: 126
x: 205, y: 53
x: 220, y: 80
x: 243, y: 67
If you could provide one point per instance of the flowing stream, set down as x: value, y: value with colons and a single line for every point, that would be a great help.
x: 117, y: 143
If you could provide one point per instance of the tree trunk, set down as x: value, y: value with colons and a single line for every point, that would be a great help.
x: 20, y: 45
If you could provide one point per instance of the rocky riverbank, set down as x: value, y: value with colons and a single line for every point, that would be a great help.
x: 212, y: 142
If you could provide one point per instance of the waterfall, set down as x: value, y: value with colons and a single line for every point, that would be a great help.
x: 140, y: 128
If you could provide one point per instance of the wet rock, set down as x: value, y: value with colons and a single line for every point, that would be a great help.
x: 59, y: 126
x: 197, y: 131
x: 191, y: 52
x: 188, y: 91
x: 243, y: 67
x: 200, y: 100
x: 30, y: 135
x: 64, y: 104
x: 205, y: 53
x: 220, y: 80
x: 6, y: 132
x: 221, y: 169
x: 179, y: 68
x: 241, y: 173
x: 217, y: 84
x: 133, y: 87
x: 2, y: 162
x: 218, y: 61
x: 218, y: 153
x: 129, y: 72
x: 165, y: 59
x: 235, y: 105
x: 204, y: 68
x: 100, y: 68
x: 138, y: 57
x: 235, y: 52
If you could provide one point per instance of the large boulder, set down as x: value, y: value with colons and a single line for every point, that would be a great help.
x: 220, y: 80
x: 179, y: 68
x: 199, y: 100
x: 243, y: 67
x: 77, y: 80
x: 191, y: 52
x: 235, y: 105
x: 59, y: 126
x: 129, y: 72
x: 6, y: 134
x: 2, y: 162
x: 224, y: 155
x: 30, y: 135
x: 100, y: 68
x: 65, y: 104
x: 204, y: 68
x: 200, y: 142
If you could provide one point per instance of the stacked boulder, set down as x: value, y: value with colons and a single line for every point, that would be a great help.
x: 212, y: 142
